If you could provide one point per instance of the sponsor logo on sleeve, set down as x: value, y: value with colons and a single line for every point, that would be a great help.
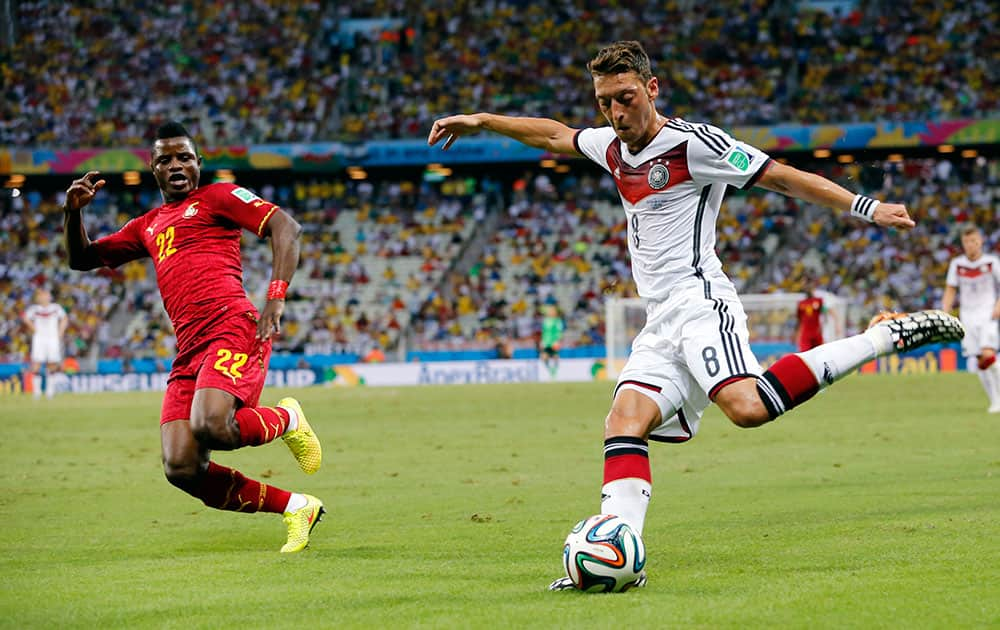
x: 739, y: 158
x: 244, y: 195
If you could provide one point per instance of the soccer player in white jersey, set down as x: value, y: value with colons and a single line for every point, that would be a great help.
x: 47, y: 323
x: 671, y: 176
x: 975, y: 278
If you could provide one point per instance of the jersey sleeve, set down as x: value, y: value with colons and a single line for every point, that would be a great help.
x: 951, y: 279
x: 242, y: 207
x: 593, y: 144
x: 122, y: 246
x: 714, y: 157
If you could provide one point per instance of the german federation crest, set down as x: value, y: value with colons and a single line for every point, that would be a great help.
x: 658, y: 176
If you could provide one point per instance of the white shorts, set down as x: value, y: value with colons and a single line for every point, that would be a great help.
x: 979, y: 334
x: 46, y: 351
x: 693, y: 343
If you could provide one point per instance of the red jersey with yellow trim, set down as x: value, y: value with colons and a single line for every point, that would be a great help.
x: 195, y: 247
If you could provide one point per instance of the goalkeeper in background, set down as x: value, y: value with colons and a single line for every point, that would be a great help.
x: 552, y: 332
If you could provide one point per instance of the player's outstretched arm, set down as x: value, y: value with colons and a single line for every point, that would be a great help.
x: 82, y: 256
x: 819, y: 190
x: 541, y: 133
x: 284, y: 232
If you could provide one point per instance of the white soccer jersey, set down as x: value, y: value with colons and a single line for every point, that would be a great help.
x: 978, y: 284
x: 46, y: 321
x: 672, y: 191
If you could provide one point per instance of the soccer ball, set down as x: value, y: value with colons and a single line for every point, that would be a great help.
x: 603, y: 554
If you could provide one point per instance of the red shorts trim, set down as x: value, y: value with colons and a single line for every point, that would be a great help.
x: 232, y: 360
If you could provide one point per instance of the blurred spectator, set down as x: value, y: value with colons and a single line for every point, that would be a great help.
x: 266, y: 71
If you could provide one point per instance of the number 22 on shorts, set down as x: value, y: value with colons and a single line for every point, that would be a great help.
x: 229, y: 363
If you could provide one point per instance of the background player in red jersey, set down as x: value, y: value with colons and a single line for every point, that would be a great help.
x: 809, y: 332
x: 223, y: 345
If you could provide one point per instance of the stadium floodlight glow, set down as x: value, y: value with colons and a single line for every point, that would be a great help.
x: 548, y: 163
x: 357, y: 173
x: 16, y: 180
x: 895, y: 157
x: 563, y: 168
x: 846, y: 158
x: 946, y: 148
x: 821, y: 153
x: 131, y: 178
x: 970, y: 153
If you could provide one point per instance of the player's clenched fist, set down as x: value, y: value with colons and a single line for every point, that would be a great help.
x: 893, y: 215
x: 81, y: 192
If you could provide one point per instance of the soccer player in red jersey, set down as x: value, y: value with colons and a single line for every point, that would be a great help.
x: 223, y: 345
x: 810, y: 332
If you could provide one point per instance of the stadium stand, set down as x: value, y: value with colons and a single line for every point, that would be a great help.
x: 261, y: 71
x: 397, y: 268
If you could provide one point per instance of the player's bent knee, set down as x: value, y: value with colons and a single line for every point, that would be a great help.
x: 182, y: 473
x: 211, y: 427
x: 749, y: 417
x: 742, y: 404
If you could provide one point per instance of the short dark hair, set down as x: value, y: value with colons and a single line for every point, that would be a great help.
x: 622, y: 56
x: 969, y: 228
x: 174, y: 129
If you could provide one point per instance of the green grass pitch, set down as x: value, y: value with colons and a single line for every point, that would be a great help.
x: 875, y: 505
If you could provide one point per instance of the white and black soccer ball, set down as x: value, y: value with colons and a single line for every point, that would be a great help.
x: 603, y: 554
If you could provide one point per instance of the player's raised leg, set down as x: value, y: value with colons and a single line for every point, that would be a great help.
x: 187, y: 466
x: 220, y: 425
x: 795, y: 378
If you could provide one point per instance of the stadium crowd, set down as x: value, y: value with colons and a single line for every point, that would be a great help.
x: 263, y: 71
x: 471, y: 262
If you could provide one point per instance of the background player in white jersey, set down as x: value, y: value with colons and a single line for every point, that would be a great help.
x: 47, y: 323
x: 975, y: 278
x: 671, y: 177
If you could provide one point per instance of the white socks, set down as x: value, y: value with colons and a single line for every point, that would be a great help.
x: 835, y: 360
x: 295, y: 502
x: 627, y: 498
x: 293, y: 419
x: 990, y: 378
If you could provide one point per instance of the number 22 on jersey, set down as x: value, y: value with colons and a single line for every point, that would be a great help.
x: 165, y: 244
x: 230, y: 363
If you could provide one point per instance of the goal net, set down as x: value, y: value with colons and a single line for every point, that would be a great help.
x: 772, y: 320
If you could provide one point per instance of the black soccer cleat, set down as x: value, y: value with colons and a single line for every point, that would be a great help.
x: 566, y: 584
x: 912, y: 330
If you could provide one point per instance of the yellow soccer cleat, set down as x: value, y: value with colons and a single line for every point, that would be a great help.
x: 302, y: 442
x: 300, y: 524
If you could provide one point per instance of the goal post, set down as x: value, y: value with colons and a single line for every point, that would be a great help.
x: 772, y: 320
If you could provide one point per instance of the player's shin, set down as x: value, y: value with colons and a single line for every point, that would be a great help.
x: 227, y: 489
x: 627, y: 479
x: 795, y: 378
x: 260, y: 425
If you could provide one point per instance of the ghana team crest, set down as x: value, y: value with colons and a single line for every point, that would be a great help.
x: 191, y: 210
x: 658, y: 176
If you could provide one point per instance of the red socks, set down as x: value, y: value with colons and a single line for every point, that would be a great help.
x: 227, y: 489
x: 789, y: 382
x: 260, y: 425
x: 626, y: 457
